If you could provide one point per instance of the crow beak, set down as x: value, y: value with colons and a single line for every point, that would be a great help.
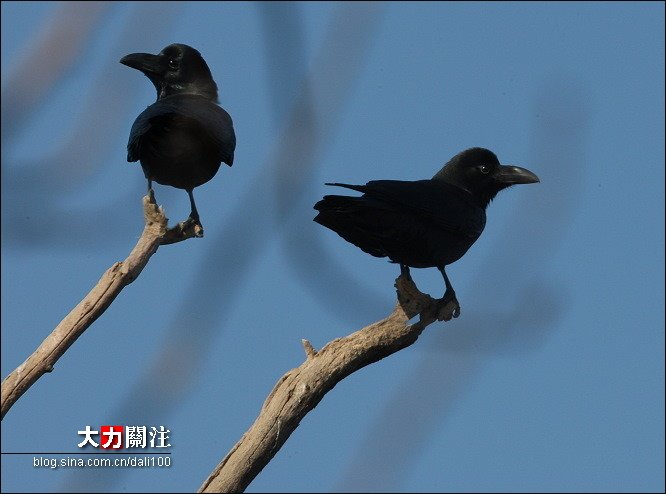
x: 145, y: 62
x: 511, y: 175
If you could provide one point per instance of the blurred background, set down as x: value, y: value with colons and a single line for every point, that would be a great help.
x: 552, y: 379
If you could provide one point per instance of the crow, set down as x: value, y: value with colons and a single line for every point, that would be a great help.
x: 184, y: 136
x: 423, y: 223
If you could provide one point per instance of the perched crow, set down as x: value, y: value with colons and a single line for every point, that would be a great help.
x: 423, y: 223
x: 183, y: 137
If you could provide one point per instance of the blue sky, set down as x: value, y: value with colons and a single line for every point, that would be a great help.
x: 552, y: 379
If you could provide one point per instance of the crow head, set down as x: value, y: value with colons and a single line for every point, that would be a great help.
x: 178, y: 69
x: 479, y: 172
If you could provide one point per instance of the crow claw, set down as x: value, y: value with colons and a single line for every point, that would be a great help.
x: 448, y: 308
x: 196, y: 224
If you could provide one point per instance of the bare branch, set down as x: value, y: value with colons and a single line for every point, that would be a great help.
x: 121, y: 274
x: 301, y: 389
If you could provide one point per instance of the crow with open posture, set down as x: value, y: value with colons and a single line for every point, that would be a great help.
x: 423, y: 223
x: 181, y: 139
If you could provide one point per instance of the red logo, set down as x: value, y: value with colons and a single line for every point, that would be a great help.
x: 111, y: 437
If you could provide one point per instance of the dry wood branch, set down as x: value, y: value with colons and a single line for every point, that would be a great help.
x: 121, y: 274
x: 301, y: 389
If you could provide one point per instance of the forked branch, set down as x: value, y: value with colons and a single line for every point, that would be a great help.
x: 121, y: 274
x: 300, y: 390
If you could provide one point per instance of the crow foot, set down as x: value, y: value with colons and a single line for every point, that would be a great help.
x: 448, y: 307
x: 182, y: 231
x: 194, y: 224
x: 414, y: 302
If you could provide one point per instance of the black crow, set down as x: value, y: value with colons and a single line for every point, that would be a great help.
x: 423, y: 223
x: 181, y: 139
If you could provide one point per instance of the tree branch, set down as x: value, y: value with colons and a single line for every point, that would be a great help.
x: 121, y: 274
x: 301, y: 389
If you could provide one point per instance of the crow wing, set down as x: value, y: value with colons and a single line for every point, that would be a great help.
x: 447, y: 206
x: 184, y: 109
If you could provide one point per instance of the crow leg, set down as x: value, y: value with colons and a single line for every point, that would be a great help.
x: 194, y: 214
x: 193, y: 219
x: 151, y: 194
x: 449, y: 306
x: 404, y: 272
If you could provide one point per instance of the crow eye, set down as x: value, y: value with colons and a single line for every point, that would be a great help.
x: 484, y: 169
x: 173, y: 64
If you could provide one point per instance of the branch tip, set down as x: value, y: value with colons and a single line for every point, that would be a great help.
x: 411, y: 299
x: 310, y: 352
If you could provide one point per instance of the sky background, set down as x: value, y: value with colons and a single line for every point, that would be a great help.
x: 552, y: 379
